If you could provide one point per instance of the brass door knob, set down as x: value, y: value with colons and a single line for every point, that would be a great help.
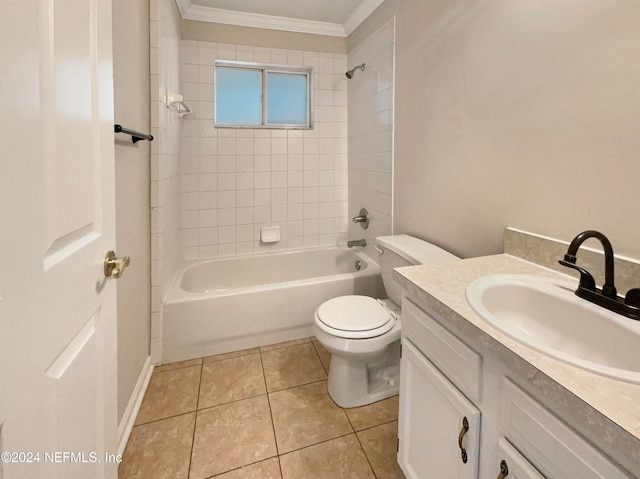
x: 114, y: 266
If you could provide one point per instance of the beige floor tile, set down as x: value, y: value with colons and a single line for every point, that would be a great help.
x: 170, y: 393
x: 306, y: 415
x: 178, y: 365
x: 325, y: 356
x: 379, y: 444
x: 231, y: 379
x: 159, y: 450
x: 286, y: 344
x: 231, y: 436
x: 380, y: 412
x: 269, y: 469
x: 292, y: 366
x: 234, y: 354
x: 340, y: 458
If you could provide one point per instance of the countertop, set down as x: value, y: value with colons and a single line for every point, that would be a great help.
x: 441, y: 287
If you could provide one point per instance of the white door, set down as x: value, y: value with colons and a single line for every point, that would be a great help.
x: 433, y: 442
x: 57, y: 211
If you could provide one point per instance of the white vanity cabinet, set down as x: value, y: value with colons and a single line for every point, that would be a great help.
x: 443, y: 381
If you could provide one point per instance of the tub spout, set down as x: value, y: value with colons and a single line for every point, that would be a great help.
x: 360, y: 242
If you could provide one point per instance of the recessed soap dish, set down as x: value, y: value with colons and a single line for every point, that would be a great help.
x: 270, y: 234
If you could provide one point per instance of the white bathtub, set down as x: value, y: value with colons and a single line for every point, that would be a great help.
x: 229, y: 304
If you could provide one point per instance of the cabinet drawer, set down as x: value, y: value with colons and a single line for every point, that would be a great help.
x: 548, y: 443
x: 456, y: 360
x: 518, y: 467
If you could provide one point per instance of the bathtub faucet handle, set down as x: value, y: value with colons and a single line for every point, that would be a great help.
x: 362, y: 218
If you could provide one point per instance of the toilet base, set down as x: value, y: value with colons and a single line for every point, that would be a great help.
x: 357, y: 383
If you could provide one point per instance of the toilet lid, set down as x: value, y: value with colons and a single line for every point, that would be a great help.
x: 361, y: 315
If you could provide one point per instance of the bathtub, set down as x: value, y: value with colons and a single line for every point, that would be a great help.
x: 229, y: 304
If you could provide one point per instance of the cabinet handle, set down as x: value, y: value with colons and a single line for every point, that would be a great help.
x: 504, y: 469
x: 463, y: 431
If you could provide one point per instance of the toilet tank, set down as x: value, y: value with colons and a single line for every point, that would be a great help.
x: 404, y: 250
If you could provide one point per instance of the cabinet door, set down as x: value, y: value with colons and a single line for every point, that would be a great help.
x: 432, y: 412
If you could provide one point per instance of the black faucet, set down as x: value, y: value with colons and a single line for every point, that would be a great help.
x: 607, y: 297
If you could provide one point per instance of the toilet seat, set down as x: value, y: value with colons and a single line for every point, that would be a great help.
x: 354, y: 317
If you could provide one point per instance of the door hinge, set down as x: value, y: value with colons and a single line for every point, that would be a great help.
x: 398, y: 445
x: 400, y: 350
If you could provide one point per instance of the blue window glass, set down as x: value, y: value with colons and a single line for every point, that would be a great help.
x: 287, y: 101
x: 262, y: 96
x: 238, y: 96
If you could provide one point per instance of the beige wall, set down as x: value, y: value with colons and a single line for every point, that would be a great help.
x: 262, y: 37
x: 380, y: 15
x: 516, y: 113
x: 131, y: 92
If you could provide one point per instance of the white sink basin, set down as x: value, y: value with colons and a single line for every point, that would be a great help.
x: 547, y: 316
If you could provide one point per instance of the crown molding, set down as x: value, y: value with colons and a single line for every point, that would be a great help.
x: 360, y: 14
x: 188, y: 11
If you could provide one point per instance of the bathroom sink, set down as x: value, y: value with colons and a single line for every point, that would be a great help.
x: 545, y: 314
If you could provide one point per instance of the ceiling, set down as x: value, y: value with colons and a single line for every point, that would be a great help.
x: 322, y: 17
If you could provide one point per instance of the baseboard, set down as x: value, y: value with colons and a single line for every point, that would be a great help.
x: 129, y: 417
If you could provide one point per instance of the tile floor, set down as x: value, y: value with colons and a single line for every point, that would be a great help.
x: 262, y: 413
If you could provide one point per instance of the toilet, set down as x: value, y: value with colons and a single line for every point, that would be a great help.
x: 363, y: 333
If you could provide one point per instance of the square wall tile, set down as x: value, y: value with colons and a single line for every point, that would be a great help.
x: 263, y: 169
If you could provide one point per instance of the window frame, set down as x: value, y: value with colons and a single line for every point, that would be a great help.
x: 265, y: 69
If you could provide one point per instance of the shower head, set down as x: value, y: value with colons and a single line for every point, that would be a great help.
x: 350, y: 73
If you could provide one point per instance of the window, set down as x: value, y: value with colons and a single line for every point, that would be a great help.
x: 252, y: 95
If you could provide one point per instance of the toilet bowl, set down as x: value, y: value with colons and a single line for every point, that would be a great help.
x: 365, y: 351
x: 363, y: 333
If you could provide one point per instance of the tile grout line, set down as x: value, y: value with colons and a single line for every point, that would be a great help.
x: 195, y: 422
x: 234, y: 401
x: 297, y: 386
x: 240, y: 467
x: 164, y: 418
x: 365, y: 455
x: 273, y: 424
x: 231, y: 402
x: 179, y: 367
x: 247, y: 353
x: 285, y: 347
x: 318, y: 354
x: 360, y: 443
x: 317, y: 443
x: 377, y: 425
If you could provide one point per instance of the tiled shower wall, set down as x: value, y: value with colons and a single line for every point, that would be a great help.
x: 371, y: 134
x: 166, y: 251
x: 235, y: 181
